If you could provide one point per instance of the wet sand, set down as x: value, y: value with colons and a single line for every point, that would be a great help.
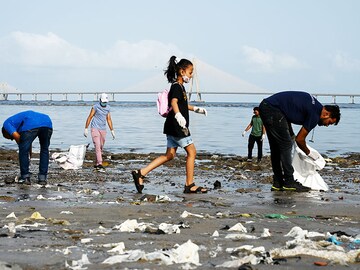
x: 83, y: 209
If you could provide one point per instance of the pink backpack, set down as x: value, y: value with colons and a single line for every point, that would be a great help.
x: 163, y: 103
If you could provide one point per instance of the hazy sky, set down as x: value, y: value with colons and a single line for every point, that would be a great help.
x: 109, y: 45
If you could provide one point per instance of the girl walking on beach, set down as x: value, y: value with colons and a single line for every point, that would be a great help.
x: 176, y: 126
x: 99, y: 115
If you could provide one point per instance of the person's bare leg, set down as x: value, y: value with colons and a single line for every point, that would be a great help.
x: 169, y: 155
x: 190, y: 164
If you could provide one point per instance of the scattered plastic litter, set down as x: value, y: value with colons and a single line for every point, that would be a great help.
x: 266, y: 233
x: 36, y: 215
x: 66, y: 213
x: 185, y: 253
x: 131, y: 225
x: 238, y: 228
x: 278, y: 216
x: 333, y: 239
x: 240, y: 236
x: 79, y: 265
x: 186, y: 214
x: 11, y: 215
x: 155, y: 198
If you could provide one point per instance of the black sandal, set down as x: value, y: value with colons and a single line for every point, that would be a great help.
x: 198, y: 190
x: 137, y: 175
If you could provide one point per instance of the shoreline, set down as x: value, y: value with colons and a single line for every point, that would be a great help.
x: 82, y: 211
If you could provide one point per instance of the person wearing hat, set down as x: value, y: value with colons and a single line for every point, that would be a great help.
x: 98, y: 117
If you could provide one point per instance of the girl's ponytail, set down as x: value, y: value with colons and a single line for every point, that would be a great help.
x: 171, y: 71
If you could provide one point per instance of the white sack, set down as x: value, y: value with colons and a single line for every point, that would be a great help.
x: 306, y: 170
x: 73, y: 159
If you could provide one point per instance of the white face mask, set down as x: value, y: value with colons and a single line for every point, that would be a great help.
x: 185, y: 78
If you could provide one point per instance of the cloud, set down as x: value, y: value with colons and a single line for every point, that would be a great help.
x: 268, y: 61
x: 344, y: 62
x: 50, y: 50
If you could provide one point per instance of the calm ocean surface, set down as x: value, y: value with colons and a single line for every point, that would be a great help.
x: 139, y: 128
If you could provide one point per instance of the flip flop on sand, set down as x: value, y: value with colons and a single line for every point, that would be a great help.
x: 199, y: 189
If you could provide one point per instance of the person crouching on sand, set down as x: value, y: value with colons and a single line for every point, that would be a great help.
x: 176, y: 126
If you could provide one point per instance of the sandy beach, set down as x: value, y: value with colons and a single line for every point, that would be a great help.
x: 89, y: 220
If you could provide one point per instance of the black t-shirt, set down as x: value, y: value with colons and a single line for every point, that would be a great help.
x: 171, y: 126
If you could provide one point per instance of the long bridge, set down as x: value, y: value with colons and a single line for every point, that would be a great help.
x: 80, y: 96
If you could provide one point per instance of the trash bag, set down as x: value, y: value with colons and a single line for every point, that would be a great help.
x: 73, y: 159
x: 306, y: 170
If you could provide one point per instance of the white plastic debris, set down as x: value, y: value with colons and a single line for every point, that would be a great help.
x: 186, y: 214
x: 12, y: 228
x: 128, y: 256
x: 298, y: 233
x: 78, y: 265
x: 266, y: 233
x: 252, y: 259
x: 41, y: 197
x: 86, y: 240
x: 340, y: 257
x: 238, y: 228
x: 215, y: 234
x: 240, y: 236
x: 118, y: 249
x: 169, y: 228
x: 11, y: 215
x: 100, y: 230
x: 66, y: 213
x: 127, y: 226
x: 186, y: 253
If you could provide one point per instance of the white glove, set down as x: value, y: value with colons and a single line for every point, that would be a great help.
x: 314, y: 155
x: 180, y: 119
x: 262, y: 137
x: 85, y: 132
x: 113, y: 134
x: 243, y: 134
x: 200, y: 110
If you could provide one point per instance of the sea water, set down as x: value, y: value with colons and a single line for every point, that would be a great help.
x: 139, y: 128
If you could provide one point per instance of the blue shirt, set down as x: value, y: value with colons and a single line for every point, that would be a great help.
x: 99, y: 119
x: 299, y: 108
x: 25, y: 121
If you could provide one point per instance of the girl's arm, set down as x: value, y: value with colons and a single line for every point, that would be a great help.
x: 175, y: 106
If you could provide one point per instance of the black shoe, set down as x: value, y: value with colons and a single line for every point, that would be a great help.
x: 295, y: 186
x: 277, y: 185
x: 42, y: 182
x: 25, y: 181
x: 276, y: 188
